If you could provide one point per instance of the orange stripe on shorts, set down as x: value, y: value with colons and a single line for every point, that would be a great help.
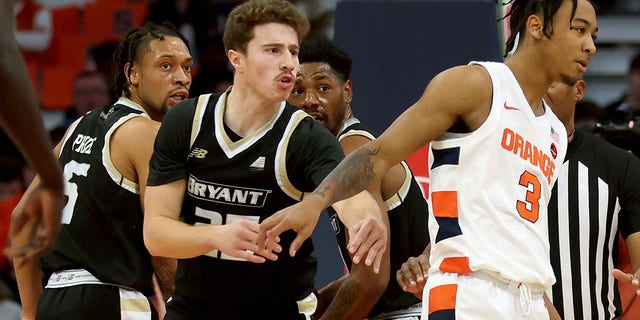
x: 442, y: 298
x: 445, y: 204
x: 456, y: 265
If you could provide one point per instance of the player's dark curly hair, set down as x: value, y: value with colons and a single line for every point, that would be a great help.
x: 321, y: 49
x: 134, y: 45
x: 521, y: 9
x: 245, y: 17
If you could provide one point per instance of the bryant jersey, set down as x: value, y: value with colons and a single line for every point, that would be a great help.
x: 102, y: 220
x: 596, y: 196
x: 490, y: 188
x: 408, y: 213
x: 250, y: 178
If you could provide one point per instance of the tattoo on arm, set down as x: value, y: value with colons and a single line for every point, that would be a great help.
x: 352, y: 176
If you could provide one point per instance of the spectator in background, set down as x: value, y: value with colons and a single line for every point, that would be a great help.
x: 320, y: 15
x: 222, y: 8
x: 101, y: 59
x: 588, y: 114
x: 34, y: 27
x: 213, y: 74
x: 90, y: 90
x: 195, y: 19
x: 628, y: 107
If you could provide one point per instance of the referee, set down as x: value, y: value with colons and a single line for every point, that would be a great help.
x: 596, y: 198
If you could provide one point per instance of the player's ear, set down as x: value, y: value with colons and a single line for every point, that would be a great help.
x: 580, y: 87
x: 348, y: 91
x: 535, y: 26
x: 236, y: 60
x: 131, y: 72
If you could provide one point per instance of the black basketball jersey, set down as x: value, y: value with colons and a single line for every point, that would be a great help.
x: 596, y: 197
x: 102, y: 219
x: 251, y: 178
x: 409, y: 234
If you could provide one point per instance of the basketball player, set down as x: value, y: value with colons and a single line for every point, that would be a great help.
x: 223, y: 162
x: 495, y: 152
x: 20, y: 118
x: 323, y: 90
x: 595, y: 198
x: 99, y: 268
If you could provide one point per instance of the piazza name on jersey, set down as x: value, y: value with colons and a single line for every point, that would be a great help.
x: 83, y: 144
x: 227, y: 194
x: 513, y: 142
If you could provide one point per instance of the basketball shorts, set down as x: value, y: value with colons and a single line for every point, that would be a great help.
x: 183, y: 308
x: 95, y: 302
x: 449, y: 296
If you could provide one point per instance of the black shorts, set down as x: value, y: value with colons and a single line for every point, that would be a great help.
x: 90, y: 301
x: 182, y: 308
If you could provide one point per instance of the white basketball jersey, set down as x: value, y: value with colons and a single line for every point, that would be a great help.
x: 490, y: 188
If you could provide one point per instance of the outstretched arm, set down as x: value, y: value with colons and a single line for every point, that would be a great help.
x: 437, y: 110
x: 20, y: 118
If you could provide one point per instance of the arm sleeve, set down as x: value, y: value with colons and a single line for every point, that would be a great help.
x: 171, y: 148
x: 312, y: 153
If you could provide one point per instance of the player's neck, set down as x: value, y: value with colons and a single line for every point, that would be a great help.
x: 246, y: 113
x: 533, y: 84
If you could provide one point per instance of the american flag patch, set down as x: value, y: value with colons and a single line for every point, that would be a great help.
x: 555, y: 136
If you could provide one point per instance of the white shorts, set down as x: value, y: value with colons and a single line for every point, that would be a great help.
x: 456, y: 296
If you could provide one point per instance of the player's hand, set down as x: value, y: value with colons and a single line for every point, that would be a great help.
x: 239, y: 240
x: 42, y: 211
x: 633, y: 279
x: 300, y: 217
x: 368, y: 238
x: 412, y: 275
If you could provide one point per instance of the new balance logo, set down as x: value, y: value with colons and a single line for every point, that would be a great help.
x: 509, y: 107
x: 257, y: 165
x: 198, y: 153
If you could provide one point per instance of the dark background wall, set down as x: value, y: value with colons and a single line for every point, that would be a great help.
x: 397, y: 48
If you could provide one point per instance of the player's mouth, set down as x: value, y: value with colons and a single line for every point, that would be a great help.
x: 178, y: 96
x: 583, y: 64
x: 316, y: 116
x: 286, y: 81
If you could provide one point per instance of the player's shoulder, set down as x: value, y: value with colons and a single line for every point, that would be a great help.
x: 473, y: 79
x: 460, y: 90
x: 188, y: 107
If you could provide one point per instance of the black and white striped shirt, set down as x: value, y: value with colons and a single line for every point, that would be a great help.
x: 596, y: 196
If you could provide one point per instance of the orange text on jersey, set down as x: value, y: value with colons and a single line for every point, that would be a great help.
x: 511, y: 141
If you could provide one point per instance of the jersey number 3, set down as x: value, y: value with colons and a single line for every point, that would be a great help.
x: 530, y: 208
